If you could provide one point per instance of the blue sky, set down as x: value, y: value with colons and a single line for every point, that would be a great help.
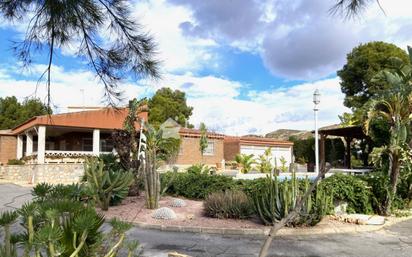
x: 246, y: 66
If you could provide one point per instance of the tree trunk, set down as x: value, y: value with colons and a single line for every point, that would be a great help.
x: 394, y: 177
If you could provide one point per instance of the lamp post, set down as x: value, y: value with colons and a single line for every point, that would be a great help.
x: 316, y: 101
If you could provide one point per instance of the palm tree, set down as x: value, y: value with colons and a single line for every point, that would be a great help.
x: 84, y: 25
x: 245, y: 162
x: 394, y: 107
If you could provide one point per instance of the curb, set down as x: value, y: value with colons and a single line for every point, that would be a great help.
x: 330, y: 229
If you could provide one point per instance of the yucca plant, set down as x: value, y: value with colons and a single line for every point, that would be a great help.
x: 103, y: 183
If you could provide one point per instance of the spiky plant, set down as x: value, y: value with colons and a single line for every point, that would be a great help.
x: 8, y: 218
x: 104, y: 183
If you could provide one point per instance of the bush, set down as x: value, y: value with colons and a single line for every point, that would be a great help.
x: 228, y: 205
x: 195, y: 185
x: 15, y: 162
x: 350, y: 189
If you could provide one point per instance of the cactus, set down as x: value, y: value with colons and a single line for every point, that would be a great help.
x: 164, y: 213
x: 276, y: 200
x: 103, y: 183
x: 7, y: 219
x: 178, y: 203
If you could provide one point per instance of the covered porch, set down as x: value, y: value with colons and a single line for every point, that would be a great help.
x: 54, y: 144
x: 348, y: 134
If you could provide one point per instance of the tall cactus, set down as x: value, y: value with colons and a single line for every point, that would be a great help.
x: 150, y: 142
x: 103, y: 183
x: 276, y: 200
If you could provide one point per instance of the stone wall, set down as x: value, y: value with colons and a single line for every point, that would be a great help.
x: 64, y: 173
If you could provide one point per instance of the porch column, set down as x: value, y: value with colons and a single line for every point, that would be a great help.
x: 19, y: 147
x: 41, y: 144
x: 348, y: 141
x: 322, y: 152
x: 29, y: 144
x: 96, y: 142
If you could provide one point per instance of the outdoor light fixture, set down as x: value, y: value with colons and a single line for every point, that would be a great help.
x: 316, y: 101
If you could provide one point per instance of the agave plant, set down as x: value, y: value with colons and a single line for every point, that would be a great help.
x: 104, y: 183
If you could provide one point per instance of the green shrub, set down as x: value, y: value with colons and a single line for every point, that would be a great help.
x: 275, y: 200
x: 15, y: 162
x: 228, y: 205
x: 350, y: 189
x: 194, y: 185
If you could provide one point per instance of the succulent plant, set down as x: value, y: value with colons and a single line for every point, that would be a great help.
x: 178, y: 203
x: 164, y: 213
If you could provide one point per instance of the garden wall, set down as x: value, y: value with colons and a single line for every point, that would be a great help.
x: 65, y: 173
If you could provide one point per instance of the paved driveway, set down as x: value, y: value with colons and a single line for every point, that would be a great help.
x: 395, y: 241
x: 13, y: 196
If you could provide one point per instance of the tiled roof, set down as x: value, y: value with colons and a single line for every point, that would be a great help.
x: 261, y: 141
x: 105, y: 118
x: 196, y: 133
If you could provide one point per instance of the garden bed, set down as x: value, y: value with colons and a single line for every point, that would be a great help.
x: 191, y: 216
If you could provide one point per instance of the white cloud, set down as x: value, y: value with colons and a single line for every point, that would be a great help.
x: 215, y: 100
x: 68, y: 88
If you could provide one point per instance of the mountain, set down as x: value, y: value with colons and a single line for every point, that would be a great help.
x: 284, y: 134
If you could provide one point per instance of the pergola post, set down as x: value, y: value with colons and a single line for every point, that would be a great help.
x: 322, y: 151
x: 19, y: 153
x: 348, y: 141
x: 96, y: 142
x: 41, y: 144
x: 29, y: 143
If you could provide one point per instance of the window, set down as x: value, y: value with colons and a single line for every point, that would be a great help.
x: 210, y: 149
x: 106, y: 145
x: 87, y: 144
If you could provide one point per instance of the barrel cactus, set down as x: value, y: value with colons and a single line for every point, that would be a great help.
x: 164, y: 213
x: 178, y: 203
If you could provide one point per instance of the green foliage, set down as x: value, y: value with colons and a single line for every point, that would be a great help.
x: 228, y: 205
x: 15, y: 162
x: 303, y: 149
x: 167, y: 103
x: 194, y: 185
x: 275, y: 200
x: 351, y: 189
x: 45, y: 191
x: 363, y: 63
x: 13, y: 113
x: 264, y: 161
x: 203, y: 138
x: 8, y: 218
x: 245, y: 161
x: 104, y: 184
x: 200, y: 169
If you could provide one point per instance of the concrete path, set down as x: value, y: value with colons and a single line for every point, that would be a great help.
x: 13, y: 196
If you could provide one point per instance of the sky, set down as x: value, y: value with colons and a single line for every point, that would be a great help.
x: 247, y: 67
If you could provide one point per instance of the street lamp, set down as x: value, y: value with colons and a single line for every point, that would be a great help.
x: 316, y: 101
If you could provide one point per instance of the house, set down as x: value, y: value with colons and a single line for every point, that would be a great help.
x: 222, y: 148
x: 69, y: 137
x: 65, y: 137
x: 257, y: 146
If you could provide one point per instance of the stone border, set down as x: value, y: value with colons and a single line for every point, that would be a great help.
x: 330, y: 229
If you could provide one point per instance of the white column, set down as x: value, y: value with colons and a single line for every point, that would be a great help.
x: 316, y: 142
x: 19, y: 147
x: 29, y: 144
x: 96, y: 142
x: 41, y: 145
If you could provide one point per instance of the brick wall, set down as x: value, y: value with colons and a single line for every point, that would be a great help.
x: 232, y: 148
x: 8, y: 148
x: 190, y: 152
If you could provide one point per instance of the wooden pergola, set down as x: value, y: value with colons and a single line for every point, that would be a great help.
x: 348, y: 133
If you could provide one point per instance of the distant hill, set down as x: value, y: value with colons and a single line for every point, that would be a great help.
x: 284, y: 134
